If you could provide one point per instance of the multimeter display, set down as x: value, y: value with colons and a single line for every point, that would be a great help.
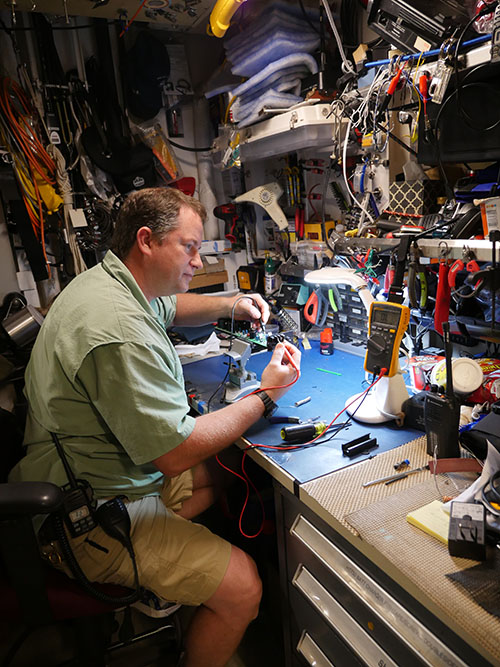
x: 385, y: 316
x: 386, y: 327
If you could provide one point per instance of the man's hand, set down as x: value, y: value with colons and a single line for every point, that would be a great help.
x: 250, y: 307
x: 281, y: 370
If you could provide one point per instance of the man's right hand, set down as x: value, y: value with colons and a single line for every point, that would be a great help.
x: 280, y: 370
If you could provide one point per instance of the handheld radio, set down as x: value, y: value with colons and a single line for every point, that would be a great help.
x: 387, y: 324
x: 78, y: 499
x: 442, y: 412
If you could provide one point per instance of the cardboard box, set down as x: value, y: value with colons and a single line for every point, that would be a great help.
x: 490, y: 215
x: 211, y: 265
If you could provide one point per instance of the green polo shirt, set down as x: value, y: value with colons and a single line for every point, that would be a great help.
x: 105, y: 377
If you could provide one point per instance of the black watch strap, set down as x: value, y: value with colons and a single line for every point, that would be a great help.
x: 269, y: 405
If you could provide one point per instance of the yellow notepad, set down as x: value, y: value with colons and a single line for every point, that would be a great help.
x: 433, y: 519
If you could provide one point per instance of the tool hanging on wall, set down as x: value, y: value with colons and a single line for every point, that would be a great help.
x: 443, y: 295
x: 316, y: 308
x: 416, y: 273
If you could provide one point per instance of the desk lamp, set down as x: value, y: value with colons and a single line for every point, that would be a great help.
x: 384, y: 401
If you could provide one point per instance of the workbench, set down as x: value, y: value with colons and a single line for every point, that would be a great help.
x: 359, y: 584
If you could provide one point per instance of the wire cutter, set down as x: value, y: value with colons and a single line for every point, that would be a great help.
x: 316, y: 308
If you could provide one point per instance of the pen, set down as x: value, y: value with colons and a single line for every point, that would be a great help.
x: 396, y: 479
x: 391, y: 478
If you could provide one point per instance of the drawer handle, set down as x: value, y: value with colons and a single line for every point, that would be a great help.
x: 340, y: 620
x: 312, y: 652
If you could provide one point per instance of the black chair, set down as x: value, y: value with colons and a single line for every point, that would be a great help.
x: 33, y: 594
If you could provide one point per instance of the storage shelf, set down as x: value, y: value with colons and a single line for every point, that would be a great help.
x: 430, y: 247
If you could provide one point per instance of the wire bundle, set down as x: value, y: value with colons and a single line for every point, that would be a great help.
x: 33, y: 167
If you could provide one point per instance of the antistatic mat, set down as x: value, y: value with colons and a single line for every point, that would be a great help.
x: 377, y: 514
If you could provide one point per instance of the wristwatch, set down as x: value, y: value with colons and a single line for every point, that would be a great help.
x: 269, y: 405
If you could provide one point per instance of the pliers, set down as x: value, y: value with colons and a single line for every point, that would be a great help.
x: 416, y: 272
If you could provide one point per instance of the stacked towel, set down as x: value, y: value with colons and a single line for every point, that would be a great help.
x: 274, y: 52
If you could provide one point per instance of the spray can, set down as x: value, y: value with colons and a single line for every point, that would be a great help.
x: 270, y: 279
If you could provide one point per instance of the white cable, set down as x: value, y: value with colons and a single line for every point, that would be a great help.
x: 344, y: 159
x: 347, y: 66
x: 65, y: 191
x: 353, y: 199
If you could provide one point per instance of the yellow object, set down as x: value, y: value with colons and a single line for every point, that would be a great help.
x: 313, y: 231
x: 157, y: 141
x: 367, y: 140
x: 387, y: 324
x: 432, y: 519
x: 48, y: 194
x: 221, y: 16
x: 244, y: 282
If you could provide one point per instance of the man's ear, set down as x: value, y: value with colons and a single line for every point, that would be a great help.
x: 144, y: 238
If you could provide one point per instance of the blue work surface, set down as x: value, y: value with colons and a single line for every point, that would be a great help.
x: 328, y: 396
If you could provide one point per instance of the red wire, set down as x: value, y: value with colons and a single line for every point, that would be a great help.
x: 245, y: 478
x: 308, y: 197
x: 132, y: 19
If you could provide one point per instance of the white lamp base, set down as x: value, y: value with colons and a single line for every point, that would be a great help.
x: 382, y: 403
x: 234, y: 393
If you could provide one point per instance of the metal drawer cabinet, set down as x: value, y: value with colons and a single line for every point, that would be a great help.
x: 338, y: 598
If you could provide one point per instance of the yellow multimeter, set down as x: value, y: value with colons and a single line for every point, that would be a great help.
x: 387, y: 324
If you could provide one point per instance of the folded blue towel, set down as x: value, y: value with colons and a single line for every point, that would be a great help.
x: 245, y: 104
x: 276, y: 14
x: 268, y: 87
x: 279, y: 46
x: 252, y: 88
x: 268, y: 74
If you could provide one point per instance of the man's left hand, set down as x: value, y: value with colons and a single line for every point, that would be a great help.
x: 251, y: 307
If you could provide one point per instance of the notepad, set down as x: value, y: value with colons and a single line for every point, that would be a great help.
x: 432, y: 519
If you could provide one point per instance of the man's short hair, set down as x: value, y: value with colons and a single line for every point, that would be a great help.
x: 156, y: 208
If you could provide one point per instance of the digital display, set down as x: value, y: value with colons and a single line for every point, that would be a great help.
x: 385, y: 316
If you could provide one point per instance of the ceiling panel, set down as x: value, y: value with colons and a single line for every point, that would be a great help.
x: 181, y: 15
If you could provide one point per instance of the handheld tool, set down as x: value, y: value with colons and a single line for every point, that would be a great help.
x: 467, y: 262
x: 442, y: 412
x: 227, y: 212
x: 302, y: 432
x: 316, y: 308
x: 416, y: 272
x: 391, y: 478
x: 390, y: 91
x: 443, y: 297
x: 386, y: 327
x: 267, y: 196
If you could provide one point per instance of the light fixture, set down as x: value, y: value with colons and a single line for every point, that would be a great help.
x: 385, y: 400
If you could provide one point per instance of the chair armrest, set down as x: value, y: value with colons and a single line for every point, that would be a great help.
x: 29, y: 498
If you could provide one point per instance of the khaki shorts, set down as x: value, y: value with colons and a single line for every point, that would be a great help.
x: 178, y: 560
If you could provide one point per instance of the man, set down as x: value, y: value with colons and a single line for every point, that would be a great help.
x: 106, y: 379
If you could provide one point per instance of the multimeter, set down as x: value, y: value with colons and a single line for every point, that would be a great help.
x: 387, y: 324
